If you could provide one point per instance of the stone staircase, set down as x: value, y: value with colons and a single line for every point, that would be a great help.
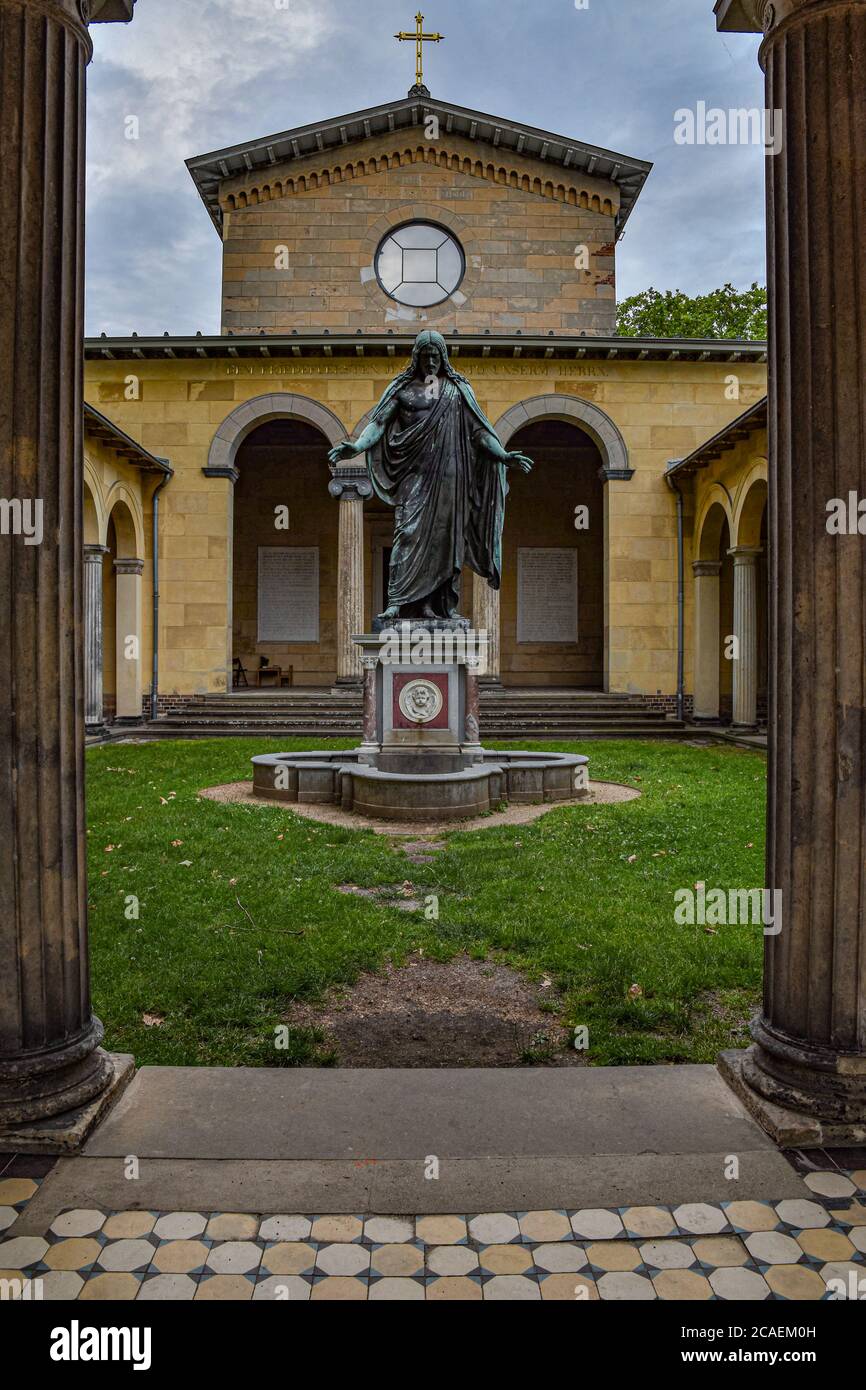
x: 505, y: 714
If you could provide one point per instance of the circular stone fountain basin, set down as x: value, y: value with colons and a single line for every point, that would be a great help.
x: 355, y: 781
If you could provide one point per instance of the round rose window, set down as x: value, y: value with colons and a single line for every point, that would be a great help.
x: 419, y: 264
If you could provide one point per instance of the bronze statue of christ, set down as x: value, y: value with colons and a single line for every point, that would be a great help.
x: 434, y: 457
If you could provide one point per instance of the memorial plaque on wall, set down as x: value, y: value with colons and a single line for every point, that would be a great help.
x: 546, y: 595
x: 288, y: 593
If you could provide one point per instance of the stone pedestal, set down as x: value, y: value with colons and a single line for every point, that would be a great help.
x: 706, y: 639
x: 745, y: 704
x: 420, y: 695
x: 51, y: 1064
x: 809, y: 1055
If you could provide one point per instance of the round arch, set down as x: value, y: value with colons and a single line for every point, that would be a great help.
x: 573, y: 409
x: 715, y: 510
x: 749, y: 506
x: 124, y: 509
x: 250, y: 414
x: 95, y: 516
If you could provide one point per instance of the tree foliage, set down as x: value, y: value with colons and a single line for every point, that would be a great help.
x: 722, y: 313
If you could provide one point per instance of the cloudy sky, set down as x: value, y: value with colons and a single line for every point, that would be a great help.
x: 201, y: 74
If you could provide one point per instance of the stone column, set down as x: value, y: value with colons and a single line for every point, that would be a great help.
x: 485, y: 618
x: 351, y: 486
x: 50, y: 1060
x: 745, y: 714
x: 128, y: 627
x: 93, y: 636
x: 706, y: 644
x: 809, y: 1053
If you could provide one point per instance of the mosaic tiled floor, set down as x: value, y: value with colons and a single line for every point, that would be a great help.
x: 788, y: 1250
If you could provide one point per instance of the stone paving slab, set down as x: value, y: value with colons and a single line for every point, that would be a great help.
x: 400, y: 1187
x: 354, y: 1115
x: 808, y: 1248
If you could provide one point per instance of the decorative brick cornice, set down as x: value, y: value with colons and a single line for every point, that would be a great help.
x: 580, y: 193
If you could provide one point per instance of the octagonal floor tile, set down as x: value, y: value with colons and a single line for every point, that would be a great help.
x: 453, y: 1289
x: 224, y: 1288
x: 78, y: 1223
x: 110, y: 1288
x: 595, y: 1223
x: 342, y: 1259
x: 180, y: 1257
x: 494, y: 1228
x: 234, y: 1257
x: 127, y: 1255
x: 451, y: 1260
x: 511, y: 1288
x: 75, y: 1253
x: 289, y: 1257
x: 396, y: 1291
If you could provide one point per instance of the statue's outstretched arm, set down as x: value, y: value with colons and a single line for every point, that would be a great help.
x: 368, y: 438
x: 492, y: 446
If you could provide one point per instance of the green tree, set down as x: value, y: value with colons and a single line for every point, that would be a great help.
x: 723, y: 313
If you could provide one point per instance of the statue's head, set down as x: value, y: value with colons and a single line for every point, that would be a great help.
x: 430, y: 354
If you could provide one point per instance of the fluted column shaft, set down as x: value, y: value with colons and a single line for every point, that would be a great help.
x: 94, y: 651
x: 745, y: 712
x: 485, y: 618
x: 706, y: 643
x: 351, y: 486
x: 49, y: 1058
x: 810, y: 1044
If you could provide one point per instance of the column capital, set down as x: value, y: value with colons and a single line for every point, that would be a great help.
x: 128, y: 565
x: 222, y: 470
x: 350, y: 484
x: 93, y: 554
x: 766, y: 16
x: 705, y: 569
x: 615, y: 475
x: 75, y: 15
x: 745, y: 554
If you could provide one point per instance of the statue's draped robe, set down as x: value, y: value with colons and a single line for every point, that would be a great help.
x: 449, y: 495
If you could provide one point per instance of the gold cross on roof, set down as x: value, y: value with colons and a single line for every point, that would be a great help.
x: 420, y: 39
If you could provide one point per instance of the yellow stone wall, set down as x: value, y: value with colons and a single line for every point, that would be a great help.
x: 663, y: 410
x: 299, y: 249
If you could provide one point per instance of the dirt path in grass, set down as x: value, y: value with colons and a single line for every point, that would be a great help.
x: 463, y: 1013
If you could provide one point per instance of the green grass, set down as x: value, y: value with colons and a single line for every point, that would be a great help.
x: 583, y: 896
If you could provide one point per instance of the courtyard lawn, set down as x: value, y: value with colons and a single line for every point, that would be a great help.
x: 238, y: 913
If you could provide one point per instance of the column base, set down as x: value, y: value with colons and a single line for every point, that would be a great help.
x: 46, y: 1081
x: 65, y: 1131
x: 793, y: 1125
x: 351, y: 684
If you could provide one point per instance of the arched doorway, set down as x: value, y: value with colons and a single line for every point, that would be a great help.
x: 284, y: 557
x: 552, y: 597
x: 122, y: 571
x: 713, y: 612
x: 750, y: 554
